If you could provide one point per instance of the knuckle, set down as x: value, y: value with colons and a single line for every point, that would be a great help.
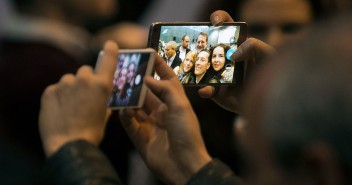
x: 251, y: 42
x: 67, y: 79
x: 104, y: 86
x: 83, y: 80
x: 84, y: 70
x: 48, y: 91
x: 84, y: 74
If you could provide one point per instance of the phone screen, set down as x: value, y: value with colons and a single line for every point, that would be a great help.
x: 128, y: 88
x: 199, y: 53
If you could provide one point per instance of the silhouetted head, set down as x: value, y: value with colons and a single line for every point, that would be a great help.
x: 298, y: 111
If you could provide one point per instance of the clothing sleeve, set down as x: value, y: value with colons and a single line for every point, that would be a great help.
x: 215, y: 173
x: 79, y: 163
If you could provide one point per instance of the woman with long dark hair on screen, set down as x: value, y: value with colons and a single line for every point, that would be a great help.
x: 119, y: 93
x: 221, y: 70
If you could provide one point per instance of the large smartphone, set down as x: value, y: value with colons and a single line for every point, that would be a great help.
x: 200, y: 53
x: 128, y: 88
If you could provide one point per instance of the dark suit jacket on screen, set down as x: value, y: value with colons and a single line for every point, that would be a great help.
x: 176, y: 62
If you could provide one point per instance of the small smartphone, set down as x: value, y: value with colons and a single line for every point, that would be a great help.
x: 128, y: 88
x: 200, y: 53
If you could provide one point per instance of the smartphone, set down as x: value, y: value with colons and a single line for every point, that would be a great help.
x: 200, y: 53
x: 128, y: 88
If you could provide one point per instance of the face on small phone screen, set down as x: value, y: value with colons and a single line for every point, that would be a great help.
x: 128, y: 89
x: 200, y: 54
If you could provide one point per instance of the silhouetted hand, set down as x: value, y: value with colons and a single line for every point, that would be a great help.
x: 166, y: 131
x: 252, y: 51
x: 76, y: 107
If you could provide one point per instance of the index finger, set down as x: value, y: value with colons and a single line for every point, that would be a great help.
x: 218, y: 17
x: 107, y: 60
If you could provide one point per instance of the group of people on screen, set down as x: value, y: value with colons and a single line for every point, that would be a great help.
x: 205, y: 64
x: 124, y: 79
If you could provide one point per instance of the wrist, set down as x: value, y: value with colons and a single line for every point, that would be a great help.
x: 192, y: 167
x: 53, y: 144
x: 214, y: 172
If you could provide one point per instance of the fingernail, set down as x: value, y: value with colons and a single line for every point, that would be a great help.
x: 216, y: 20
x: 100, y: 55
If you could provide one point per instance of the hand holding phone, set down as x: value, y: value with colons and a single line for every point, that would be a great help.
x: 250, y: 51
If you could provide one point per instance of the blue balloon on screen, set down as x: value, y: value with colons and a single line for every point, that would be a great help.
x: 229, y: 53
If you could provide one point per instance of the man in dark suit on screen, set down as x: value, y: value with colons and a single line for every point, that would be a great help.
x: 183, y: 49
x: 170, y: 55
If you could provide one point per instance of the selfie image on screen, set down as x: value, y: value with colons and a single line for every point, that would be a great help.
x: 199, y: 54
x: 128, y: 79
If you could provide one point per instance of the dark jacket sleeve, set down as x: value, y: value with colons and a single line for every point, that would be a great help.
x: 215, y: 173
x: 79, y: 163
